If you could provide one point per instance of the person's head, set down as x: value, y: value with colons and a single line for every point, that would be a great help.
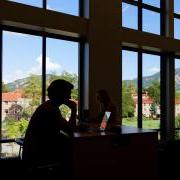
x: 103, y: 96
x: 59, y: 91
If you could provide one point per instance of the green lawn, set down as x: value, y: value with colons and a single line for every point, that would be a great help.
x: 148, y: 123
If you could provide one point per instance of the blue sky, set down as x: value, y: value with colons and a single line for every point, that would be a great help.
x: 65, y: 6
x: 151, y: 65
x: 22, y: 54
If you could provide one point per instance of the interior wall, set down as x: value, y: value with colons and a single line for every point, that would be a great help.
x: 104, y: 51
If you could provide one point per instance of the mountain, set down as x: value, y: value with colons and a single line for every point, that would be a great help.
x: 21, y: 83
x: 147, y: 80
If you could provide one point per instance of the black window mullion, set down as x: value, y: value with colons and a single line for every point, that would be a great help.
x: 44, y: 4
x: 163, y: 20
x: 140, y: 15
x: 139, y: 121
x: 130, y: 2
x: 43, y: 68
x: 44, y: 60
x: 176, y: 15
x: 81, y: 8
x: 151, y: 8
x: 1, y: 51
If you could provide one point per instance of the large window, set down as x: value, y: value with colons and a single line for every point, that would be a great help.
x: 64, y: 6
x: 151, y: 91
x: 129, y: 88
x: 36, y: 3
x: 176, y: 19
x: 155, y: 3
x: 177, y: 98
x: 21, y: 92
x: 129, y: 16
x: 62, y: 62
x: 23, y: 75
x: 140, y: 89
x: 139, y: 14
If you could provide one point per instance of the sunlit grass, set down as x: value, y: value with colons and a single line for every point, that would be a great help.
x: 148, y: 123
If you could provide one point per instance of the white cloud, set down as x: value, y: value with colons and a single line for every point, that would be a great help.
x: 154, y: 70
x: 50, y: 65
x: 19, y: 74
x: 125, y: 8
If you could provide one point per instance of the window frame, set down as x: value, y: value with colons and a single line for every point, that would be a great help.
x: 176, y: 16
x: 140, y: 82
x: 178, y: 58
x: 43, y: 35
x: 140, y: 6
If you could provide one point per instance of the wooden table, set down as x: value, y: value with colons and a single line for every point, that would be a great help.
x: 127, y: 154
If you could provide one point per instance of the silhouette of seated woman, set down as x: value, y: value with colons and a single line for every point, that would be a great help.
x: 104, y: 104
x: 43, y: 142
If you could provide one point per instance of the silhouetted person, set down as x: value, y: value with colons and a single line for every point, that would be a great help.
x: 105, y: 104
x: 43, y: 142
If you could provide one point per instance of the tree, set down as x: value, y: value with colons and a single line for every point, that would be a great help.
x: 15, y: 112
x: 177, y: 125
x: 72, y: 78
x: 5, y: 88
x: 154, y: 92
x: 32, y: 90
x: 127, y: 100
x: 15, y: 129
x: 153, y: 109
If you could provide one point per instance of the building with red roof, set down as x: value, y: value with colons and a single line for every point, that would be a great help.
x: 10, y: 99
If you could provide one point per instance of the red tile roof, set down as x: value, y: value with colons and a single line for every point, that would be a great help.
x: 145, y: 98
x: 12, y: 96
x: 177, y: 101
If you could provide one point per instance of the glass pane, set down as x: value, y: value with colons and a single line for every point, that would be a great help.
x: 151, y: 22
x: 177, y: 97
x: 129, y: 88
x: 21, y: 92
x: 177, y: 6
x: 155, y: 3
x: 151, y: 91
x: 69, y: 7
x: 176, y: 28
x: 36, y: 3
x: 62, y: 63
x: 129, y: 16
